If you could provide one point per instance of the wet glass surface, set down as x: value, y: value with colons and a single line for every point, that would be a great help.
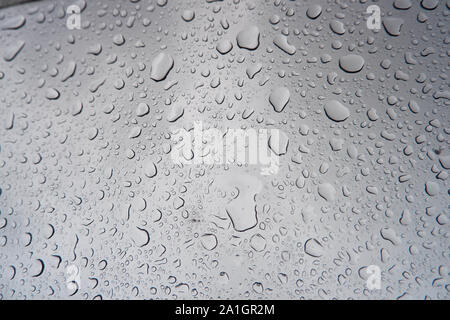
x: 119, y: 179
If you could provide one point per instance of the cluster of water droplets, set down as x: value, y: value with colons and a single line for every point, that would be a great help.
x: 87, y: 182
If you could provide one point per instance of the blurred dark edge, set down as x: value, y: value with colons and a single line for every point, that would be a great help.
x: 8, y: 3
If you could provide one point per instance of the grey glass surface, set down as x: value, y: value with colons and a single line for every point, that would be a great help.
x: 93, y: 203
